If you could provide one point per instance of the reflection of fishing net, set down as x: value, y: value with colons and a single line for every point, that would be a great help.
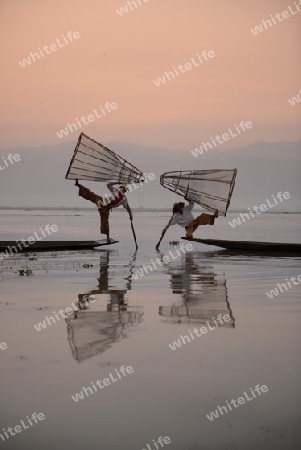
x: 211, y: 189
x: 93, y: 332
x: 198, y: 315
x: 94, y: 162
x: 197, y: 309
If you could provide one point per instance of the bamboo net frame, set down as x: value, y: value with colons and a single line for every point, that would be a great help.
x: 93, y: 161
x: 211, y: 189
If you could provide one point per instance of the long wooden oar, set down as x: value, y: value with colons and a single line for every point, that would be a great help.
x: 132, y: 226
x: 134, y: 234
x: 163, y: 232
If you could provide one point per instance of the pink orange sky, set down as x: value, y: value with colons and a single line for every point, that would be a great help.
x: 117, y: 58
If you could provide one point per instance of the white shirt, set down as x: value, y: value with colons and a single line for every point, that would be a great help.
x: 183, y: 219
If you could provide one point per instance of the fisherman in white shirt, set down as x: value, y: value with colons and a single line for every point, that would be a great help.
x: 182, y: 216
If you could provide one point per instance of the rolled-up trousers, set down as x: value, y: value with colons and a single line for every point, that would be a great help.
x: 203, y: 219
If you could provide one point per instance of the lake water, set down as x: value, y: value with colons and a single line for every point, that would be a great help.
x: 133, y: 321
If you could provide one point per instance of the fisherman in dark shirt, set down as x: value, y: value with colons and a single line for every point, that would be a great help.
x: 104, y: 205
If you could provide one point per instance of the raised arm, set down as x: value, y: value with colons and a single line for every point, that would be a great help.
x: 190, y: 205
x: 111, y: 184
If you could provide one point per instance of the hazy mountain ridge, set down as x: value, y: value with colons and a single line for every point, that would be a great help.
x: 263, y: 170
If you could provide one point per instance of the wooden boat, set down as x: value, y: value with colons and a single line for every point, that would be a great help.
x: 251, y: 246
x: 50, y: 246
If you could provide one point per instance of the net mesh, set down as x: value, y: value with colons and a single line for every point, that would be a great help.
x: 212, y: 189
x: 94, y: 162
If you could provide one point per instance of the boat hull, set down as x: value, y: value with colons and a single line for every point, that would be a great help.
x: 251, y: 246
x: 50, y: 246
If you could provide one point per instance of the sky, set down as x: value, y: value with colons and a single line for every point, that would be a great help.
x: 116, y: 58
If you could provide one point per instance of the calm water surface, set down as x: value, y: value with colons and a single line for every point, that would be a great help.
x: 132, y: 322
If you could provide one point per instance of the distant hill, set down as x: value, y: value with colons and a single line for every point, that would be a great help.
x: 263, y: 170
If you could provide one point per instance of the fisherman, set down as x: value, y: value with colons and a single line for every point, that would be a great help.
x: 182, y: 216
x: 104, y: 205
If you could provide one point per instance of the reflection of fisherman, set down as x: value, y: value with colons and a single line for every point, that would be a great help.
x: 104, y: 205
x: 203, y: 292
x: 92, y: 332
x: 182, y: 216
x: 117, y: 301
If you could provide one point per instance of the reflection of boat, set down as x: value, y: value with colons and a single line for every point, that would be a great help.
x: 204, y: 293
x: 93, y: 332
